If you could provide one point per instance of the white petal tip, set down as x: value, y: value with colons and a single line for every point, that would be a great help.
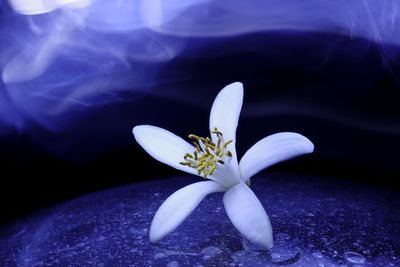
x: 264, y: 241
x: 140, y: 131
x: 154, y: 238
x: 267, y: 245
x: 234, y: 86
x: 273, y: 149
x: 178, y: 206
x: 163, y: 146
x: 308, y: 145
x: 137, y: 129
x: 156, y: 231
x: 302, y: 142
x: 248, y: 215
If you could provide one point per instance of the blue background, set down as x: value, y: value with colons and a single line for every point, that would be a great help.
x: 327, y: 71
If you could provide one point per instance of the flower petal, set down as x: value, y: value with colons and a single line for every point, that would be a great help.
x: 225, y: 110
x: 164, y: 146
x: 248, y: 215
x: 225, y: 114
x: 271, y: 150
x: 178, y: 206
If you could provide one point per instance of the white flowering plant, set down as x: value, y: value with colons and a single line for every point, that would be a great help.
x: 215, y: 159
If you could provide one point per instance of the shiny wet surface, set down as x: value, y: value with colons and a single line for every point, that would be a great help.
x: 316, y: 221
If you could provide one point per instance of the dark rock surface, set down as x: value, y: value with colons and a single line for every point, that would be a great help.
x: 316, y: 221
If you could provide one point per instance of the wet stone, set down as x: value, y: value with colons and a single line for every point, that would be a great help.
x: 316, y: 222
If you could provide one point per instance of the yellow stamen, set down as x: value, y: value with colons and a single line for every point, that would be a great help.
x: 207, y: 153
x: 198, y: 148
x: 227, y: 143
x: 187, y: 155
x: 195, y: 137
x: 215, y: 131
x: 214, y: 167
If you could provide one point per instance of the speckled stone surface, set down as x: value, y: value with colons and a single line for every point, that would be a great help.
x: 316, y: 221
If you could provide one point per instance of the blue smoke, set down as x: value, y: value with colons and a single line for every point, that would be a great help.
x: 61, y: 58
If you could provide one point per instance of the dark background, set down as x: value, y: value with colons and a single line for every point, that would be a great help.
x: 340, y: 92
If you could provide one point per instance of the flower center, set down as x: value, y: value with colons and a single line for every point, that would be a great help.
x: 207, y: 155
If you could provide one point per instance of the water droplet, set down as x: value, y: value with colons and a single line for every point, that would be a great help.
x: 210, y: 251
x: 282, y: 236
x: 275, y: 256
x: 317, y: 255
x: 159, y: 255
x: 354, y: 257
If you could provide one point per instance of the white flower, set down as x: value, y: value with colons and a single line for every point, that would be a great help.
x: 216, y: 160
